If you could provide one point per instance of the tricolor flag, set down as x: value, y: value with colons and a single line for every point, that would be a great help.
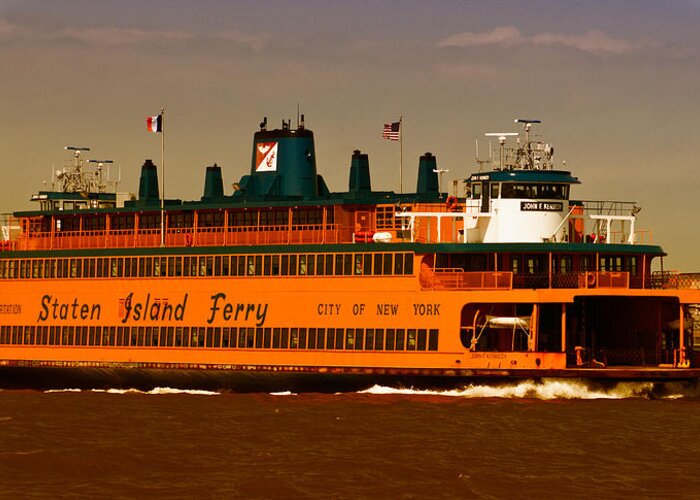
x: 392, y: 131
x: 155, y: 123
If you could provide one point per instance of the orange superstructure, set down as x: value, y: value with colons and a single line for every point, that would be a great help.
x: 286, y: 281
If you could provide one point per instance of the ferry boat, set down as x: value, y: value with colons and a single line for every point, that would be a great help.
x: 285, y: 285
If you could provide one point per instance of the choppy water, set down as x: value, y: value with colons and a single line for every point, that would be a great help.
x: 525, y: 440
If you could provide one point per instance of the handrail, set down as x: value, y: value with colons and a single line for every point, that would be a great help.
x: 183, y: 237
x: 458, y: 279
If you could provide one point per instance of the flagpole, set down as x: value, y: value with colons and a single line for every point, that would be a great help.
x: 162, y: 182
x: 401, y: 154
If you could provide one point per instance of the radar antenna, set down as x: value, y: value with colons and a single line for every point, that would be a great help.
x: 502, y: 136
x: 74, y: 178
x: 99, y: 173
x: 533, y: 160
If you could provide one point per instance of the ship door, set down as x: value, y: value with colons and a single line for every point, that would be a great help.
x: 485, y: 197
x: 363, y: 221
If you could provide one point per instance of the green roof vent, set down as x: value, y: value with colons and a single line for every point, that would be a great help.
x: 359, y: 173
x: 427, y: 177
x: 213, y: 184
x: 148, y: 184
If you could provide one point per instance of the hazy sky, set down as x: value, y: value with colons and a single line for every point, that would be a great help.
x: 616, y: 84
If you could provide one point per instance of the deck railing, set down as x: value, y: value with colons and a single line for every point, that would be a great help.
x: 675, y: 280
x: 458, y: 279
x: 182, y: 237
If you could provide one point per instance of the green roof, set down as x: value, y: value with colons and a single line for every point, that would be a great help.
x: 419, y: 248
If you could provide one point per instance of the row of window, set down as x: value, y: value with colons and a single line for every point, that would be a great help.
x: 385, y: 217
x: 236, y: 218
x: 367, y: 339
x: 538, y: 264
x: 211, y: 265
x: 528, y: 191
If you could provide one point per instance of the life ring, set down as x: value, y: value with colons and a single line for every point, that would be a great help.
x: 188, y: 239
x: 591, y: 280
x: 451, y: 202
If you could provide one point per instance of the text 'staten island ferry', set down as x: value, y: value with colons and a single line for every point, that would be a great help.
x: 285, y: 285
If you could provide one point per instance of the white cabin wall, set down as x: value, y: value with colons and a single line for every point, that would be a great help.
x: 510, y: 224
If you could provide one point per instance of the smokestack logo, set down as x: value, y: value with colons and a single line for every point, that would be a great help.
x: 266, y: 157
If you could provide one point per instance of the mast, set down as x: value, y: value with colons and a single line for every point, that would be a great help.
x: 401, y: 154
x: 162, y: 182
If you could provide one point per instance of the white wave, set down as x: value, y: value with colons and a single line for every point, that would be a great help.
x: 195, y: 392
x: 62, y: 390
x: 284, y: 393
x: 159, y: 391
x: 546, y: 390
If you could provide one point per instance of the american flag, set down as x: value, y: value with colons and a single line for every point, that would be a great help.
x: 392, y: 131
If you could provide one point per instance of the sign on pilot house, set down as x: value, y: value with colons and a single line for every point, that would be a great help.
x: 266, y: 157
x: 541, y: 206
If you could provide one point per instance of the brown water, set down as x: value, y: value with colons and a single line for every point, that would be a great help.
x: 521, y: 441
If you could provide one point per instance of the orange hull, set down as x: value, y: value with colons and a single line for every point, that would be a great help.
x: 107, y: 320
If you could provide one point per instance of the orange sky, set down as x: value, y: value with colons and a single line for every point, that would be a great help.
x: 615, y: 83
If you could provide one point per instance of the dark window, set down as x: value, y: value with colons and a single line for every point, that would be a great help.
x: 422, y: 339
x: 233, y: 337
x: 369, y: 339
x: 194, y: 336
x: 408, y: 263
x: 170, y: 336
x: 390, y: 339
x: 411, y: 340
x: 367, y: 264
x: 359, y: 338
x: 398, y: 264
x: 209, y: 339
x: 387, y: 263
x: 339, y: 264
x: 178, y: 341
x: 311, y: 344
x: 350, y: 338
x: 433, y: 340
x: 379, y: 339
x: 339, y: 334
x: 250, y: 341
x: 378, y: 266
x: 400, y: 339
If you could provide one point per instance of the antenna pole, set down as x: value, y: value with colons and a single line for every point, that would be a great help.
x: 162, y: 182
x: 401, y: 154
